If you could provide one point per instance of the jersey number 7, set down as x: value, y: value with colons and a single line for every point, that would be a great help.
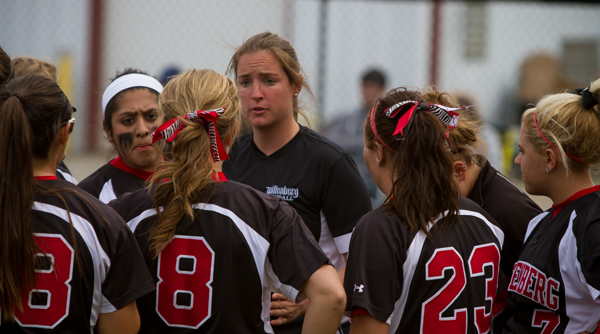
x: 185, y: 272
x: 448, y: 258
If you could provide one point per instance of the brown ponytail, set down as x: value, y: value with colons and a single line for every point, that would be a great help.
x: 188, y: 174
x: 31, y: 108
x: 423, y: 186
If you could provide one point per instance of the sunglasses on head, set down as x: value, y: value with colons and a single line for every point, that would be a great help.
x: 70, y: 121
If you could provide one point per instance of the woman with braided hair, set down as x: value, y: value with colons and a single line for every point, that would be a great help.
x: 217, y: 248
x: 427, y: 252
x: 555, y: 285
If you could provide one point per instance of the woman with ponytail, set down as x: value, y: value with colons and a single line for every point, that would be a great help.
x: 69, y: 264
x: 427, y: 252
x: 556, y: 282
x: 217, y: 248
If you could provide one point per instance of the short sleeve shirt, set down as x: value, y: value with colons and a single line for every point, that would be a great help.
x: 100, y: 270
x: 422, y: 285
x: 217, y: 273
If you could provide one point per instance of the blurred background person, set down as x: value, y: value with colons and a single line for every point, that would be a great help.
x: 347, y: 129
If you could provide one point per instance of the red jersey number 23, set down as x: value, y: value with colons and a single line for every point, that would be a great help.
x: 185, y: 272
x: 448, y: 258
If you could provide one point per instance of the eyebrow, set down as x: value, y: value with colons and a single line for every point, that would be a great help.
x: 133, y: 113
x: 264, y: 74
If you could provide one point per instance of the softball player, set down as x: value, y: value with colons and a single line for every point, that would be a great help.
x: 69, y: 263
x: 427, y: 260
x: 217, y: 249
x: 555, y: 285
x: 131, y: 115
x: 280, y: 157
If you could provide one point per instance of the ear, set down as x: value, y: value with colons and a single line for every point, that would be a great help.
x: 108, y: 133
x: 380, y: 156
x: 298, y: 85
x: 551, y: 159
x: 460, y: 170
x: 63, y: 134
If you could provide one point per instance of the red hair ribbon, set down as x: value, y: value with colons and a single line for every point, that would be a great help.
x: 374, y: 128
x: 447, y: 115
x: 169, y: 130
x: 547, y: 141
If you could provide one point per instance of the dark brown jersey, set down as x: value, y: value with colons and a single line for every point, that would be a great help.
x: 217, y: 273
x: 421, y: 285
x: 100, y: 271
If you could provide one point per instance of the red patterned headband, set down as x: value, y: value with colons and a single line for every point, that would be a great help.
x: 446, y: 115
x: 169, y: 130
x: 547, y: 141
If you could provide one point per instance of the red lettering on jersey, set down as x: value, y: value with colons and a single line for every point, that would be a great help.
x: 525, y: 271
x: 47, y: 304
x: 539, y: 295
x: 546, y: 319
x: 185, y: 272
x: 515, y: 276
x: 552, y: 299
x: 528, y: 292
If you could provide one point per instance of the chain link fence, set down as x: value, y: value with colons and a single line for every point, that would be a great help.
x: 505, y: 53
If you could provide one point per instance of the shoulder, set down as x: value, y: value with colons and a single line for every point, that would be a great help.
x: 500, y: 194
x: 132, y: 204
x: 93, y: 183
x: 379, y: 223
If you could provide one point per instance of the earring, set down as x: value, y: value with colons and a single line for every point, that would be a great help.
x: 547, y: 170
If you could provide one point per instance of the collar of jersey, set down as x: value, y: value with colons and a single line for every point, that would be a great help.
x: 485, y: 174
x: 120, y: 164
x: 558, y: 207
x: 45, y: 177
x: 280, y: 152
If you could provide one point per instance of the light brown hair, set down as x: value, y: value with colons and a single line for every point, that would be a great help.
x: 188, y: 172
x: 563, y: 120
x: 5, y: 67
x: 284, y: 52
x: 29, y: 65
x: 423, y: 186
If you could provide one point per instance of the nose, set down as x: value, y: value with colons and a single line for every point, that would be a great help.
x: 257, y: 92
x: 518, y: 159
x: 143, y: 129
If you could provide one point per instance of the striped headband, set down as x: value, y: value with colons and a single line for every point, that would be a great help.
x: 169, y: 130
x: 129, y: 81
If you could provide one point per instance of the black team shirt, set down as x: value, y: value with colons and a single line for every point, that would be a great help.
x: 421, y: 285
x: 217, y: 273
x: 113, y: 180
x: 100, y: 271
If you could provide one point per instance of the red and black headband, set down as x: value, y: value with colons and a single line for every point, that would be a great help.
x: 406, y: 110
x: 169, y: 130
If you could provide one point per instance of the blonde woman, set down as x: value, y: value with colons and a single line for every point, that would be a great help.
x: 218, y: 248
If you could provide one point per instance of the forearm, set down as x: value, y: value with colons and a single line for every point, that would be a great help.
x: 327, y: 302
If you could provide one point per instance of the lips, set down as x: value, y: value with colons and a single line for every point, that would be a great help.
x: 258, y: 110
x: 143, y: 147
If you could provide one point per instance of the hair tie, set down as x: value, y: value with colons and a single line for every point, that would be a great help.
x: 169, y: 130
x: 547, y: 141
x: 588, y: 98
x: 18, y: 96
x: 446, y: 115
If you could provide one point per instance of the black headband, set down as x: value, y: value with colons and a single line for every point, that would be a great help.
x: 589, y: 100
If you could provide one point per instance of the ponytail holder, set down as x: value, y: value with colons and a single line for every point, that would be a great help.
x: 589, y: 100
x: 18, y: 96
x: 446, y: 115
x: 169, y: 130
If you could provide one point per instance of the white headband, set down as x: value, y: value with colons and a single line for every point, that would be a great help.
x: 126, y: 82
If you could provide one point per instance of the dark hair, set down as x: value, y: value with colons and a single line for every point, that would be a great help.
x: 5, y: 67
x: 113, y: 104
x: 31, y: 109
x: 375, y: 76
x: 28, y: 65
x: 280, y: 49
x: 423, y: 186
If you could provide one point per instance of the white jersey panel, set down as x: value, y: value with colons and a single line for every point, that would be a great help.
x: 108, y: 193
x: 329, y: 247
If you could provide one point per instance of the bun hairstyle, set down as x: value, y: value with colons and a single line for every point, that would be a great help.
x: 568, y: 123
x: 31, y: 109
x: 189, y: 172
x: 422, y: 166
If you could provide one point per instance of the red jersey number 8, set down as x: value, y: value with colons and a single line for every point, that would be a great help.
x: 47, y: 304
x: 449, y: 259
x: 185, y: 272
